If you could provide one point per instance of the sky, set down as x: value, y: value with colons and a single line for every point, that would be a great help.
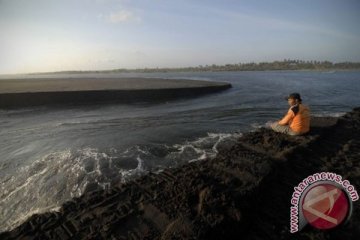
x: 54, y: 35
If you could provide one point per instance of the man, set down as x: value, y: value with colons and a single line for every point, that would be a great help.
x: 297, y: 119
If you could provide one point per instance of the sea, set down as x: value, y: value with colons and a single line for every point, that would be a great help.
x: 49, y: 155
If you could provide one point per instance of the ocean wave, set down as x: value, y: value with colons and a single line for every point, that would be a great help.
x: 51, y: 180
x: 59, y: 176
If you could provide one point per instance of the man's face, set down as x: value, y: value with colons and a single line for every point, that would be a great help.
x: 291, y: 101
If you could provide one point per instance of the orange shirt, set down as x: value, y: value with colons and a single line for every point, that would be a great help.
x: 298, y: 118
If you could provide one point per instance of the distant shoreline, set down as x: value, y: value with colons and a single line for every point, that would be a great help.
x: 286, y: 65
x: 181, y: 71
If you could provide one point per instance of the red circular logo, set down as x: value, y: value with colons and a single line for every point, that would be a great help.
x: 325, y: 206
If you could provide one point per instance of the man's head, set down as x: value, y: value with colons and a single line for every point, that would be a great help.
x: 293, y: 99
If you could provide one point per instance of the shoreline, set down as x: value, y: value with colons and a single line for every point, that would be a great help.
x: 80, y: 72
x: 244, y: 191
x: 54, y: 91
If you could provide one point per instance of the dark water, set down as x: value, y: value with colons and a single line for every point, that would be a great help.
x: 49, y: 155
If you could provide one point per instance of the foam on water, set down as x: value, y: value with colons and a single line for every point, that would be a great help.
x: 56, y: 177
x: 329, y: 114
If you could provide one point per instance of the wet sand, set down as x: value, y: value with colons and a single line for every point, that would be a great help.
x: 244, y: 193
x: 30, y: 92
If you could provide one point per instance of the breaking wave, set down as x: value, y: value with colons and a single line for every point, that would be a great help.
x: 58, y: 176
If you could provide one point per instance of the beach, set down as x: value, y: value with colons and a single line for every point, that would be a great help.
x: 244, y: 192
x: 49, y: 91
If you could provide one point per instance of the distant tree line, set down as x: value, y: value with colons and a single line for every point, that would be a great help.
x: 286, y: 64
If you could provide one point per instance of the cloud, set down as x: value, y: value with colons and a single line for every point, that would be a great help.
x: 123, y: 16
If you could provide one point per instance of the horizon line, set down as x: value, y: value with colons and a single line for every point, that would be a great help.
x: 200, y: 66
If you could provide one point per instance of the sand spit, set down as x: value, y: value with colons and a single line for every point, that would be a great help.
x: 30, y: 92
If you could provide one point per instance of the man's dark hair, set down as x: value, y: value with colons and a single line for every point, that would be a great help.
x: 295, y: 96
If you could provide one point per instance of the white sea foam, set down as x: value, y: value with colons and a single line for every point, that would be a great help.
x: 56, y: 177
x: 203, y: 147
x: 329, y: 114
x: 50, y: 180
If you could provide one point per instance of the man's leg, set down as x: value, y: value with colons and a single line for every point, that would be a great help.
x: 283, y: 129
x: 292, y: 133
x: 280, y: 128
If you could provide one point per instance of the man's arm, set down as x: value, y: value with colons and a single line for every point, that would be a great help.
x: 287, y: 118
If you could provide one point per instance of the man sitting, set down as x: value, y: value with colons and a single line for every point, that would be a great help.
x: 297, y: 119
